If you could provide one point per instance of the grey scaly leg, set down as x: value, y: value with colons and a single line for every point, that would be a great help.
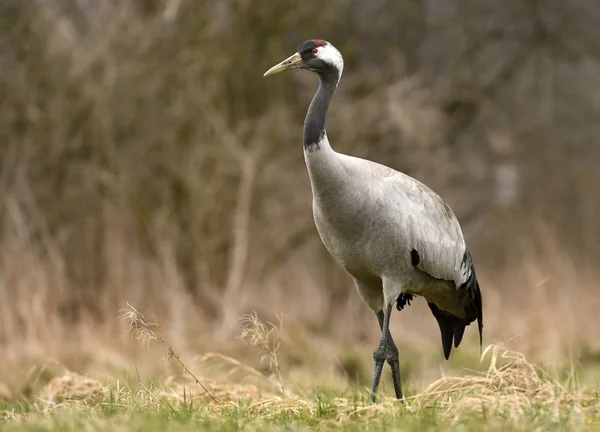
x: 379, y: 357
x: 393, y: 360
x: 387, y: 351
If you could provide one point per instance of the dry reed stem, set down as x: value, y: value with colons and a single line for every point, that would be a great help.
x: 142, y: 330
x: 266, y: 337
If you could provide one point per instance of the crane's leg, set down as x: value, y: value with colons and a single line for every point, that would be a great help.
x: 387, y: 351
x: 379, y: 357
x: 371, y: 293
x: 394, y: 362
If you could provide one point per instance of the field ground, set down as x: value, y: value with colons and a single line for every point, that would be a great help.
x: 514, y: 396
x: 504, y: 391
x: 326, y: 411
x: 539, y: 370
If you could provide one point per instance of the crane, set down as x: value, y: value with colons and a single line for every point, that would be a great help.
x: 395, y: 236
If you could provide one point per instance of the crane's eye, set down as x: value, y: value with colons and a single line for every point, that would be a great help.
x: 315, y: 51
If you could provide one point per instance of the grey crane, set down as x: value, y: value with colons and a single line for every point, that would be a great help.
x: 395, y: 236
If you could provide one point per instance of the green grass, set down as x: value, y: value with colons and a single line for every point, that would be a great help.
x: 325, y: 411
x: 508, y: 393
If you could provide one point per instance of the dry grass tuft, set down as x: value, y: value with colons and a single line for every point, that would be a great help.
x: 266, y: 337
x: 269, y: 407
x: 183, y: 388
x: 72, y: 387
x: 142, y: 330
x: 511, y: 385
x: 238, y: 381
x: 138, y: 326
x: 236, y: 385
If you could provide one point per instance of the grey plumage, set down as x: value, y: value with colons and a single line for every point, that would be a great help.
x: 394, y: 235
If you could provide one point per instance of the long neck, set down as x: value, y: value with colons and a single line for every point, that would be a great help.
x: 314, y: 124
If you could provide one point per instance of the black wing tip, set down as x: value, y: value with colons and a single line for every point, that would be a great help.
x: 471, y: 288
x: 480, y: 326
x: 447, y: 345
x: 459, y: 331
x: 447, y: 328
x: 452, y: 328
x: 478, y: 303
x: 447, y: 351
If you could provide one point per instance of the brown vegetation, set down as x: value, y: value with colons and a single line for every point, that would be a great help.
x: 146, y: 160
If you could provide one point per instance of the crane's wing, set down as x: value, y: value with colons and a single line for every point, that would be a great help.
x: 437, y: 247
x: 431, y: 229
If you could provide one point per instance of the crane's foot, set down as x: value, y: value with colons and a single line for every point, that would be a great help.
x: 387, y: 353
x: 403, y: 300
x: 379, y: 357
x: 395, y: 365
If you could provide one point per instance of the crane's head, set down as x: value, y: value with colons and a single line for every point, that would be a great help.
x: 315, y: 55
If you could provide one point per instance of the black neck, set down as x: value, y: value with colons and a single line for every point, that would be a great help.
x: 314, y: 124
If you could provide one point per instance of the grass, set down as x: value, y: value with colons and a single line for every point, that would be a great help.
x: 510, y: 397
x: 510, y: 393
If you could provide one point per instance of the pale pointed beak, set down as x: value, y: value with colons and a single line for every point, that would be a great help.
x: 293, y: 62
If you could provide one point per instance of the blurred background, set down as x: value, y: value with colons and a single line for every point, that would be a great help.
x: 145, y: 159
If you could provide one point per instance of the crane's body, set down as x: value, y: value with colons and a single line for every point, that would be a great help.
x: 371, y: 217
x: 395, y: 236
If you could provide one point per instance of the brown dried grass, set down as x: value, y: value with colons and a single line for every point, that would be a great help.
x: 511, y: 387
x: 72, y: 387
x: 192, y: 209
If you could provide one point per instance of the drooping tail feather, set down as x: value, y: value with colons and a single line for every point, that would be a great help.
x: 478, y: 306
x: 470, y: 288
x: 446, y: 328
x: 459, y: 331
x: 452, y: 328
